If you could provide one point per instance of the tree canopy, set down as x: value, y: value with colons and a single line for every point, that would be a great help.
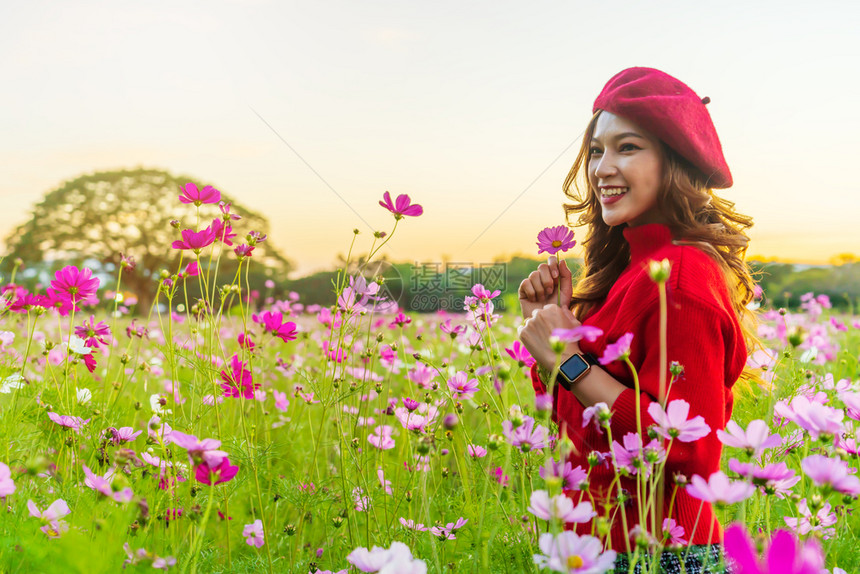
x: 95, y: 218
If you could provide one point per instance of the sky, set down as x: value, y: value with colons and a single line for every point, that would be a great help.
x: 309, y: 111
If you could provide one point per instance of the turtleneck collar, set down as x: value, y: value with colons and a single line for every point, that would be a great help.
x: 646, y: 239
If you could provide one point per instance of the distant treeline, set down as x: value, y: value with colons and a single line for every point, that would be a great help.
x: 428, y: 287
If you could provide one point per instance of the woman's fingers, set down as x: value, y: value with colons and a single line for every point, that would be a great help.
x: 547, y: 281
x: 552, y: 262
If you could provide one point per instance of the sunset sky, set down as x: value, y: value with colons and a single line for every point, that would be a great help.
x: 309, y: 111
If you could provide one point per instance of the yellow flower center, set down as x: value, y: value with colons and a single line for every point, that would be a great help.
x: 574, y: 562
x: 556, y: 243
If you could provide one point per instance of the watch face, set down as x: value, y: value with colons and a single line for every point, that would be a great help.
x: 573, y: 367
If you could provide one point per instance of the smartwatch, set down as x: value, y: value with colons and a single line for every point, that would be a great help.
x: 575, y: 368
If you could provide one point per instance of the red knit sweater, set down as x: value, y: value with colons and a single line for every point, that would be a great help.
x: 703, y: 335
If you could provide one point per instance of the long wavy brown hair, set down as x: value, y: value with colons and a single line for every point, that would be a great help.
x: 692, y: 211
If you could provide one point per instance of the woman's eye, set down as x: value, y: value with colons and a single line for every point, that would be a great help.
x: 594, y: 150
x: 628, y: 147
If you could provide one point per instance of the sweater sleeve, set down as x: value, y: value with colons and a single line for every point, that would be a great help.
x: 703, y: 338
x: 537, y: 383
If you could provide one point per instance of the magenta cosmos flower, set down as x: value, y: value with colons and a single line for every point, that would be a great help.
x: 238, y: 382
x: 520, y: 354
x: 619, y: 350
x: 195, y: 241
x: 784, y: 556
x: 190, y: 194
x: 273, y: 322
x: 672, y: 423
x: 74, y: 285
x: 402, y: 206
x: 554, y: 239
x: 205, y: 450
x: 221, y: 472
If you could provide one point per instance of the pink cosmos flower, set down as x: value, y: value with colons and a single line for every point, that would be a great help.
x: 526, y: 437
x: 418, y: 420
x: 401, y: 206
x: 400, y: 320
x: 68, y: 421
x: 422, y: 375
x: 205, y: 450
x: 573, y: 554
x: 784, y: 556
x: 619, y: 350
x: 362, y: 502
x: 483, y: 293
x: 852, y: 404
x: 821, y: 521
x: 813, y: 416
x: 411, y: 525
x: 243, y: 251
x: 673, y: 533
x: 587, y: 332
x: 599, y: 414
x: 103, y: 485
x: 253, y: 533
x: 7, y: 486
x: 554, y: 239
x: 73, y: 285
x: 500, y: 476
x: 223, y: 471
x: 830, y: 473
x: 461, y: 386
x: 632, y: 457
x: 281, y: 401
x: 718, y: 489
x: 121, y: 435
x: 447, y: 532
x: 238, y: 383
x: 381, y: 437
x: 476, y: 451
x: 559, y: 507
x: 51, y: 516
x: 572, y: 478
x: 754, y: 439
x: 773, y: 478
x: 453, y: 331
x: 190, y: 194
x: 397, y: 558
x: 672, y: 423
x: 385, y: 484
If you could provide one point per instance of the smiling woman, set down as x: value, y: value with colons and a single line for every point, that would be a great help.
x: 645, y: 175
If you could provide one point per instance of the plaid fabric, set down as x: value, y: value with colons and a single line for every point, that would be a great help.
x: 670, y: 563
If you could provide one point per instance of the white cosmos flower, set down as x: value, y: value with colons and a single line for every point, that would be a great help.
x: 84, y: 395
x: 76, y: 345
x: 15, y: 381
x: 156, y: 405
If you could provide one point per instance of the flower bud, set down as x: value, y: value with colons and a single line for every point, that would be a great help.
x: 494, y: 441
x: 659, y: 270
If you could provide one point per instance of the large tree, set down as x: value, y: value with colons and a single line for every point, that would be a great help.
x: 93, y: 219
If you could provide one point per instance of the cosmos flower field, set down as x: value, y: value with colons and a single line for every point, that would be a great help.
x: 239, y: 435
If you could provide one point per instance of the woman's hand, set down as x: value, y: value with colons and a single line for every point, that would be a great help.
x: 540, y: 287
x: 538, y: 328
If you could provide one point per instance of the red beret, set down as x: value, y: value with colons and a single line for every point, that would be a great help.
x: 671, y: 111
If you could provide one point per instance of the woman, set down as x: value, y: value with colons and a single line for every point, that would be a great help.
x: 643, y: 183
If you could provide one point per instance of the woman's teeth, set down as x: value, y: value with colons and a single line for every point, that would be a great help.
x: 614, y: 191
